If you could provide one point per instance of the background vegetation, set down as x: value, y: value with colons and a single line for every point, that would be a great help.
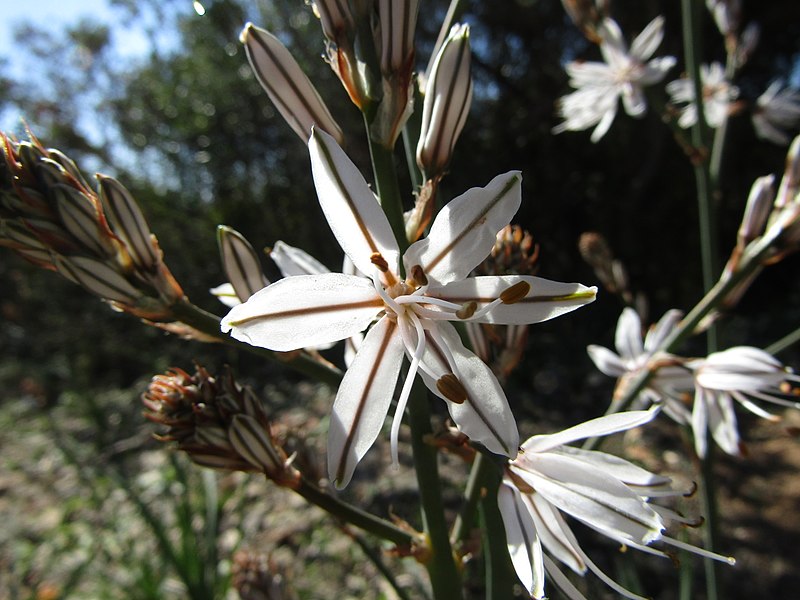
x: 189, y: 130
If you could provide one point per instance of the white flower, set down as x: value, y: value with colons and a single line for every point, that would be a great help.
x: 739, y: 374
x: 670, y: 378
x: 777, y: 110
x: 408, y: 316
x: 718, y: 94
x: 607, y: 493
x: 624, y: 74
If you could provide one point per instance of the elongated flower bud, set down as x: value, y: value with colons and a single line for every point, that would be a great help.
x: 398, y: 21
x: 288, y: 87
x: 448, y: 95
x: 240, y: 262
x: 336, y: 18
x: 759, y: 205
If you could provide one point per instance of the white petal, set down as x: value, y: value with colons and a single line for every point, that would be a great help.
x: 740, y: 368
x: 556, y: 536
x: 485, y: 415
x: 700, y: 421
x: 604, y: 359
x: 659, y: 332
x: 225, y: 294
x: 722, y: 424
x: 597, y: 499
x: 522, y: 540
x: 303, y: 311
x: 617, y: 467
x: 605, y: 425
x: 353, y: 213
x: 545, y: 300
x: 605, y: 123
x: 628, y: 338
x: 293, y: 261
x: 465, y: 230
x: 363, y: 400
x: 648, y: 41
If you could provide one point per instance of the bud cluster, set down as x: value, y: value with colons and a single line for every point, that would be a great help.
x: 218, y: 423
x: 50, y: 216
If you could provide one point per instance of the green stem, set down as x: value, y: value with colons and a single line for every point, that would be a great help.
x: 444, y: 574
x: 374, y: 556
x: 710, y: 529
x: 784, y: 342
x: 352, y: 515
x: 478, y: 476
x: 388, y: 189
x: 207, y: 323
x: 692, y: 11
x: 500, y: 576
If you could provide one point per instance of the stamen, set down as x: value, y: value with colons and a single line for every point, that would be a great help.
x: 418, y: 275
x: 387, y: 299
x: 380, y: 262
x: 467, y: 310
x: 515, y: 293
x: 451, y: 388
x: 402, y: 400
x: 699, y: 551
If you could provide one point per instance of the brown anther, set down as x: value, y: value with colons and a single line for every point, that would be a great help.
x: 467, y: 310
x: 451, y: 388
x: 418, y: 275
x: 380, y: 262
x: 515, y: 293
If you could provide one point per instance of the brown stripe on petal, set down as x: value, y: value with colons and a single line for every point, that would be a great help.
x: 528, y: 300
x: 297, y: 312
x: 431, y: 344
x: 390, y: 332
x: 479, y: 219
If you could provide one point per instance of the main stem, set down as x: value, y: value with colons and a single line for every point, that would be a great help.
x: 692, y: 35
x: 442, y: 570
x: 445, y: 576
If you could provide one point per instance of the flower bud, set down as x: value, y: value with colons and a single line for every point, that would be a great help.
x: 759, y: 205
x: 285, y: 83
x: 129, y: 223
x: 398, y: 21
x: 336, y: 18
x: 448, y: 95
x: 240, y: 262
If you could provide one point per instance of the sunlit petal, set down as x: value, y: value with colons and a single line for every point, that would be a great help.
x: 363, y: 400
x: 545, y: 300
x: 353, y: 212
x: 303, y: 311
x: 522, y: 540
x: 465, y: 230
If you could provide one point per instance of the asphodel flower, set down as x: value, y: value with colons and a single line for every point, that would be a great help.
x: 740, y: 375
x: 777, y: 110
x: 671, y: 382
x: 407, y: 315
x: 718, y: 96
x: 602, y: 491
x: 286, y: 84
x: 448, y: 96
x: 623, y: 76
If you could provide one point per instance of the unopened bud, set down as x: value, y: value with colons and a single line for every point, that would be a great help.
x: 129, y: 223
x: 398, y: 22
x: 759, y: 205
x: 98, y: 278
x: 790, y: 183
x: 335, y: 17
x: 288, y: 87
x: 240, y: 262
x: 253, y: 444
x: 448, y: 96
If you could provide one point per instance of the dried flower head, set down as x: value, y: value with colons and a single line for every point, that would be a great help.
x: 217, y: 422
